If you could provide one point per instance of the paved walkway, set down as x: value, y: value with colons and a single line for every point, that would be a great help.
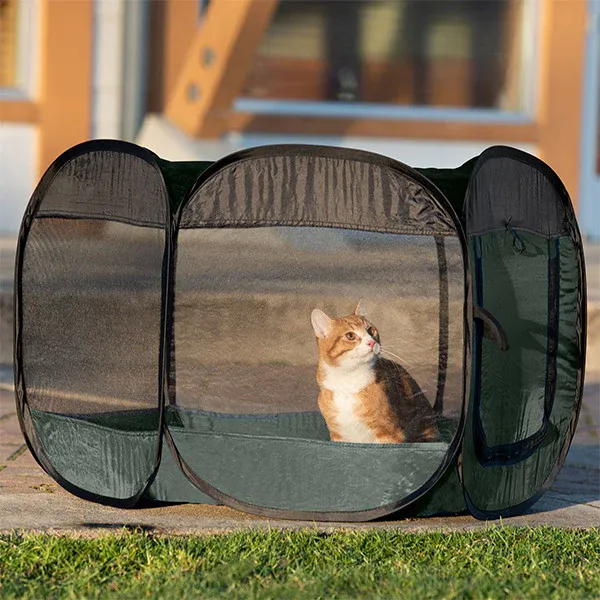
x: 31, y: 500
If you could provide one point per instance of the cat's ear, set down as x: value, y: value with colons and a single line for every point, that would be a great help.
x: 321, y: 323
x: 360, y: 310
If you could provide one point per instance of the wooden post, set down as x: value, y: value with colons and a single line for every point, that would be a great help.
x: 512, y: 49
x: 173, y: 26
x: 561, y: 88
x: 217, y: 64
x: 66, y: 76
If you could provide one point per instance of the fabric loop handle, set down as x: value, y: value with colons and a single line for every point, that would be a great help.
x: 492, y: 329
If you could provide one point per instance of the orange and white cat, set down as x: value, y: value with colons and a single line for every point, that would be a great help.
x: 364, y: 397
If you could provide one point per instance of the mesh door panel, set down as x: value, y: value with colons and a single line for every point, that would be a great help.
x: 90, y: 323
x: 243, y: 299
x: 92, y: 306
x: 245, y: 359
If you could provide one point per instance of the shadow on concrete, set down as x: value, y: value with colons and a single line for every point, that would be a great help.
x: 129, y: 527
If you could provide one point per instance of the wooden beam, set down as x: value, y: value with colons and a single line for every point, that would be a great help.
x: 173, y: 26
x: 512, y: 46
x: 66, y: 76
x: 217, y: 64
x: 386, y: 128
x: 19, y: 111
x: 561, y: 83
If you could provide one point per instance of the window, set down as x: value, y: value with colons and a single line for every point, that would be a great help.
x: 18, y: 47
x: 433, y: 53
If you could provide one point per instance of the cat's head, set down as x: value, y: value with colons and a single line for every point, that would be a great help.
x: 347, y: 341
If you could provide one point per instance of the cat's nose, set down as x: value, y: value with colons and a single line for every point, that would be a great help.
x: 371, y: 343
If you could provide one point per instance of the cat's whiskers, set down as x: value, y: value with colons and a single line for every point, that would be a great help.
x: 398, y: 368
x: 384, y: 351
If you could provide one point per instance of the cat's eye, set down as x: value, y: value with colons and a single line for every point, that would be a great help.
x: 351, y: 336
x: 372, y: 332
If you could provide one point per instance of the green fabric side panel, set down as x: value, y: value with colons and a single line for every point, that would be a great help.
x: 446, y: 497
x: 452, y: 183
x: 180, y: 177
x: 493, y: 488
x: 515, y: 291
x: 102, y: 460
x: 171, y: 485
x: 307, y: 425
x: 121, y: 447
x: 312, y: 475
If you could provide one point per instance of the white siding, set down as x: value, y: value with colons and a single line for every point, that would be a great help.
x: 107, y: 86
x: 18, y: 172
x: 442, y: 154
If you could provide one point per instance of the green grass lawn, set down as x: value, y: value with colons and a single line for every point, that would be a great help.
x: 493, y: 563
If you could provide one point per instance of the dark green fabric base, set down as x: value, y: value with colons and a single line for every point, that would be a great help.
x: 309, y: 475
x: 305, y: 425
x: 302, y: 425
x: 103, y: 452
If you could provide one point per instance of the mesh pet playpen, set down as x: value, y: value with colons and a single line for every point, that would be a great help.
x: 164, y: 351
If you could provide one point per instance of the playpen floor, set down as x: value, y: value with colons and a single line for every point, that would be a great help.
x: 279, y: 460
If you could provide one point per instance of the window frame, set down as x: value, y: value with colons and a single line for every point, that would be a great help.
x: 282, y: 110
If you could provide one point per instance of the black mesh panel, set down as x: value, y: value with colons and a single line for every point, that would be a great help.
x: 90, y: 319
x: 91, y: 327
x: 243, y: 299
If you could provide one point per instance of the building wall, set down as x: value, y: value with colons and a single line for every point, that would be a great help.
x: 51, y: 110
x: 170, y: 143
x: 79, y: 99
x: 18, y: 172
x: 416, y: 153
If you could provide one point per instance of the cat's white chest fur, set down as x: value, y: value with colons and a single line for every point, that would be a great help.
x: 349, y: 427
x: 345, y: 385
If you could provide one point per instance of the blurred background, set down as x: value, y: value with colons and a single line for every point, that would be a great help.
x: 428, y: 82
